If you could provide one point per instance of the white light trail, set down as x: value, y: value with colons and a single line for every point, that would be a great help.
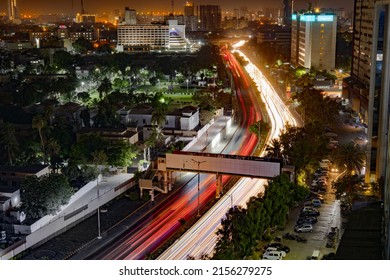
x: 201, y: 238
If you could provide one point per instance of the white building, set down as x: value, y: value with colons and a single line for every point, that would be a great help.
x: 152, y: 37
x: 313, y: 40
x: 184, y: 119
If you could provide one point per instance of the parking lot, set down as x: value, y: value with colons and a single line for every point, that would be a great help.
x: 317, y: 240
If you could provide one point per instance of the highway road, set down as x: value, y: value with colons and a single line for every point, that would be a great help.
x: 201, y: 238
x: 159, y: 224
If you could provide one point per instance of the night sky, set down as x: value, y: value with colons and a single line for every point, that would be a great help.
x: 97, y: 6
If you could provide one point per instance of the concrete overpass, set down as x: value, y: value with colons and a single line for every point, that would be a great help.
x: 219, y: 164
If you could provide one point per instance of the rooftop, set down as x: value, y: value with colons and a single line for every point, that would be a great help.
x: 30, y: 169
x: 362, y: 239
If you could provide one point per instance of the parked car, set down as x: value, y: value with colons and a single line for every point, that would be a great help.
x: 274, y: 249
x: 330, y: 256
x: 308, y: 203
x: 315, y: 255
x: 306, y: 220
x: 278, y: 246
x: 304, y: 228
x: 314, y: 195
x: 309, y: 213
x: 273, y: 255
x: 316, y: 202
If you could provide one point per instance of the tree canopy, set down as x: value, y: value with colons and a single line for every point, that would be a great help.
x: 243, y: 228
x: 45, y: 195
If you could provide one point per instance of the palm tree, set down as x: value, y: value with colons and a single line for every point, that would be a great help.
x: 39, y: 123
x: 351, y: 156
x: 8, y: 141
x: 274, y: 150
x: 104, y: 88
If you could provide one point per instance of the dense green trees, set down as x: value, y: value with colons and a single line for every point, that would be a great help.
x: 8, y: 141
x: 82, y: 46
x: 348, y: 188
x: 45, y: 195
x: 243, y: 228
x: 315, y: 107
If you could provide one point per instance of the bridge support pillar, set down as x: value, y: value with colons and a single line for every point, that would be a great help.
x: 219, y: 186
x: 165, y: 173
x: 170, y: 173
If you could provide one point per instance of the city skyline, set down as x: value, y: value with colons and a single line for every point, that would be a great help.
x: 99, y: 6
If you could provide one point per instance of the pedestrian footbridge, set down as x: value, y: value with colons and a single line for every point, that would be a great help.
x: 219, y: 164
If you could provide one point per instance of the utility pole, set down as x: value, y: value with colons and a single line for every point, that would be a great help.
x: 199, y: 163
x: 98, y: 208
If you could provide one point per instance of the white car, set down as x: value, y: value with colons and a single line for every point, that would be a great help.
x: 273, y: 255
x: 304, y: 228
x: 274, y: 249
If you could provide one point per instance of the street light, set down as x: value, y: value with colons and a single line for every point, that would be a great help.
x: 199, y: 163
x: 98, y: 209
x: 187, y: 85
x: 259, y: 133
x: 231, y: 200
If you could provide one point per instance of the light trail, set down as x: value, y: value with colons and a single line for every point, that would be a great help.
x: 159, y: 224
x: 201, y: 238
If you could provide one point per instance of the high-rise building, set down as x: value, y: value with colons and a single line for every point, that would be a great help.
x: 313, y: 40
x: 189, y: 9
x: 368, y: 90
x: 287, y: 12
x: 130, y: 16
x: 13, y: 10
x: 210, y: 17
x: 191, y: 20
x: 244, y: 13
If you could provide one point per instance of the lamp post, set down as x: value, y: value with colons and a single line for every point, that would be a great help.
x: 231, y: 200
x: 187, y: 85
x: 259, y: 133
x: 199, y: 163
x: 98, y: 209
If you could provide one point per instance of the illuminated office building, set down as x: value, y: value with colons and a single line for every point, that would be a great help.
x: 313, y: 40
x: 13, y: 10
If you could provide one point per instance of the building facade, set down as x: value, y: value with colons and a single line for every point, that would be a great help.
x: 13, y: 10
x: 152, y: 37
x: 130, y: 16
x: 313, y: 40
x: 368, y: 90
x: 210, y: 17
x: 191, y: 20
x: 287, y: 12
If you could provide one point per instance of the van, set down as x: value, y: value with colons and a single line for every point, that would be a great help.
x: 273, y: 255
x: 315, y: 255
x: 316, y: 202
